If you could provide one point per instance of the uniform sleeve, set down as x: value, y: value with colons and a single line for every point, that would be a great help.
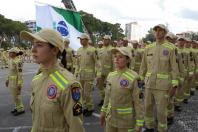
x: 174, y: 68
x: 72, y: 106
x: 19, y: 65
x: 77, y: 68
x: 181, y: 69
x: 138, y: 105
x: 143, y: 67
x: 132, y: 64
x: 97, y: 63
x: 106, y: 104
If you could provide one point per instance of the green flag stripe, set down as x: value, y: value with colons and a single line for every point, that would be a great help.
x: 71, y: 17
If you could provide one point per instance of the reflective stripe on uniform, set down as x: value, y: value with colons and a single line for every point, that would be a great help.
x: 139, y: 122
x: 107, y: 66
x: 162, y: 76
x: 59, y: 80
x: 175, y: 83
x: 149, y: 119
x: 113, y: 73
x: 164, y: 126
x: 130, y: 130
x: 124, y: 110
x: 191, y: 73
x: 186, y: 94
x: 103, y: 109
x: 129, y: 75
x: 148, y: 74
x: 37, y: 77
x: 13, y: 77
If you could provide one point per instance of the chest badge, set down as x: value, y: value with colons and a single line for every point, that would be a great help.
x: 124, y: 83
x: 51, y: 91
x: 165, y: 52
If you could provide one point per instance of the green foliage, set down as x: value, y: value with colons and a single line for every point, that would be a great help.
x: 150, y: 36
x: 9, y: 31
x: 194, y: 36
x: 97, y: 28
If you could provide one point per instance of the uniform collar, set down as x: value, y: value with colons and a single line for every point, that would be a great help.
x: 47, y: 71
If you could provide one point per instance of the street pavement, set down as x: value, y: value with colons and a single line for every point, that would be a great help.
x: 185, y: 121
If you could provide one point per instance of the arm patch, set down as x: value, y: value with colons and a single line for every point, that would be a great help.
x: 75, y: 91
x: 77, y: 109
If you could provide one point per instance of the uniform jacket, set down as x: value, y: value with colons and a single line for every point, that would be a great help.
x: 122, y: 104
x: 56, y: 101
x: 159, y: 68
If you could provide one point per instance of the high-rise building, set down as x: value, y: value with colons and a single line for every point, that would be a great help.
x: 133, y: 31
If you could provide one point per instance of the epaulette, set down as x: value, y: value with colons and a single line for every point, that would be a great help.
x: 37, y: 76
x: 169, y: 45
x: 113, y: 73
x: 150, y: 46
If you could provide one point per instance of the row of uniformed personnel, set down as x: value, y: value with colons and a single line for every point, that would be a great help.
x: 57, y: 97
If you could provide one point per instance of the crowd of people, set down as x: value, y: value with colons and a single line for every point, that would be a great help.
x: 140, y: 84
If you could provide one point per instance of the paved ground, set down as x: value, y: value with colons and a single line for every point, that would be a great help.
x: 185, y: 121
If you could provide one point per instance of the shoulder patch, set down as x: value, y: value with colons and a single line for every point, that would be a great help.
x: 77, y: 109
x: 75, y: 91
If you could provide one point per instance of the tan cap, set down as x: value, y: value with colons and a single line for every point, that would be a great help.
x: 160, y: 26
x: 188, y: 39
x: 66, y: 40
x: 14, y: 49
x: 45, y: 35
x: 84, y: 36
x: 125, y: 39
x: 123, y: 50
x: 107, y: 37
x: 181, y: 38
x: 100, y: 42
x: 134, y: 42
x: 171, y: 35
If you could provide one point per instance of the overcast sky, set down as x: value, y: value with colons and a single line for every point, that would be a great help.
x: 180, y: 15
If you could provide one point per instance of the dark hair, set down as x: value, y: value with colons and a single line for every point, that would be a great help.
x: 20, y: 53
x: 52, y: 46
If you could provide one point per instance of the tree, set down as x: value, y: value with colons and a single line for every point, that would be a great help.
x: 97, y: 28
x: 150, y: 36
x: 9, y: 31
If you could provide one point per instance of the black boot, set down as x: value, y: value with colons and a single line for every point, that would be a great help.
x: 13, y: 111
x: 149, y: 130
x: 178, y: 108
x: 85, y: 111
x: 88, y: 113
x: 18, y: 113
x: 192, y: 93
x: 185, y: 101
x: 170, y: 120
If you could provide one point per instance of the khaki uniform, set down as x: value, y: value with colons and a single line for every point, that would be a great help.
x: 194, y: 56
x: 187, y: 71
x: 70, y: 59
x: 137, y: 55
x: 180, y: 90
x: 106, y: 60
x: 56, y: 101
x: 122, y: 105
x: 85, y: 70
x: 16, y: 81
x: 159, y: 71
